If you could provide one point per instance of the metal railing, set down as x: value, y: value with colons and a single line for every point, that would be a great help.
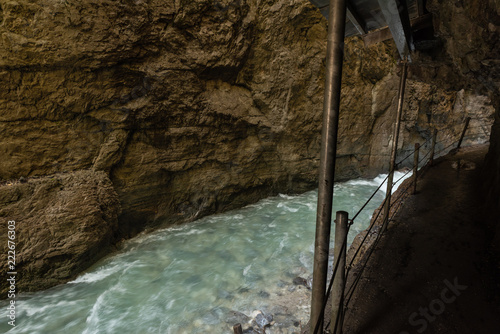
x: 341, y: 272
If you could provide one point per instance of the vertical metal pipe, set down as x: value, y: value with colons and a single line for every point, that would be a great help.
x: 433, y: 147
x: 463, y: 132
x: 415, y: 167
x: 339, y: 254
x: 390, y: 179
x: 334, y: 59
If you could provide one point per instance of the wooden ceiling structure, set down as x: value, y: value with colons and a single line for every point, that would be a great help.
x: 379, y: 20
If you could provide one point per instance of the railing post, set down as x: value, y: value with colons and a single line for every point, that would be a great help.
x: 467, y: 120
x: 237, y: 329
x: 415, y: 167
x: 328, y: 152
x: 339, y: 254
x: 390, y: 178
x: 433, y: 147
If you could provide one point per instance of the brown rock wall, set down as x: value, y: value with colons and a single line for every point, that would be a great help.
x: 63, y: 223
x: 189, y: 107
x: 369, y: 102
x: 471, y: 31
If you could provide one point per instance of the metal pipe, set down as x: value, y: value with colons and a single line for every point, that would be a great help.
x: 333, y: 81
x: 415, y: 167
x: 387, y: 206
x: 463, y: 132
x: 339, y: 254
x: 433, y: 147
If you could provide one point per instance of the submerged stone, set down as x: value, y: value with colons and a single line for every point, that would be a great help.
x: 263, y: 294
x: 235, y: 317
x: 300, y: 281
x: 262, y: 319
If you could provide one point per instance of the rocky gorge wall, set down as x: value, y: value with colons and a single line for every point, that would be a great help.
x: 121, y: 115
x: 470, y: 31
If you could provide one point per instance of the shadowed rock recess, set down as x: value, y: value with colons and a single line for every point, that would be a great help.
x: 122, y: 115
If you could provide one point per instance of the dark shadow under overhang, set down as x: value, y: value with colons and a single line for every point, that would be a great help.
x: 379, y: 20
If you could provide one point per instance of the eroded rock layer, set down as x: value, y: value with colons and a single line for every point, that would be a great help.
x: 62, y: 224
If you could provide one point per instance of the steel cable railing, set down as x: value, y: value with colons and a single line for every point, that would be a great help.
x: 369, y: 199
x: 411, y: 153
x: 393, y: 202
x: 423, y: 158
x: 393, y: 209
x: 342, y: 252
x: 366, y: 235
x: 351, y: 221
x: 403, y: 176
x: 366, y: 203
x: 354, y: 285
x: 445, y: 149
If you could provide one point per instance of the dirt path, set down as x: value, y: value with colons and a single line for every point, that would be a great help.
x: 432, y: 271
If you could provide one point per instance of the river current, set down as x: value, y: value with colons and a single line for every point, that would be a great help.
x: 200, y: 277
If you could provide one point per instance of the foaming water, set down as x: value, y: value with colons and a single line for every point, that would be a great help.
x: 190, y: 278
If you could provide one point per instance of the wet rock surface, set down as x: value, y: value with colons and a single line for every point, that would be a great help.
x: 286, y: 312
x: 63, y: 223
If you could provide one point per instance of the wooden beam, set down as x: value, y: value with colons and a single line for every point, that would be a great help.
x: 355, y: 18
x: 385, y: 34
x: 377, y: 36
x: 398, y: 21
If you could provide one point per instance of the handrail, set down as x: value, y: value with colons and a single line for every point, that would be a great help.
x: 396, y: 202
x: 342, y: 253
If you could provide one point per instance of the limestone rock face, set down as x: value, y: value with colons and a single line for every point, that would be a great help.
x: 159, y: 94
x: 471, y: 30
x: 62, y: 223
x: 369, y: 102
x: 190, y: 108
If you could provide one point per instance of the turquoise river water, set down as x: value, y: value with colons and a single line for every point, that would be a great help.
x: 196, y: 277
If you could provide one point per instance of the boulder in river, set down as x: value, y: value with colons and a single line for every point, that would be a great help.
x: 261, y: 319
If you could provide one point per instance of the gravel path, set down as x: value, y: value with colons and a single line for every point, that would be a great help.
x: 433, y: 271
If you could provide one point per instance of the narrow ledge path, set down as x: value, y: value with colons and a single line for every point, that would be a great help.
x: 433, y: 271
